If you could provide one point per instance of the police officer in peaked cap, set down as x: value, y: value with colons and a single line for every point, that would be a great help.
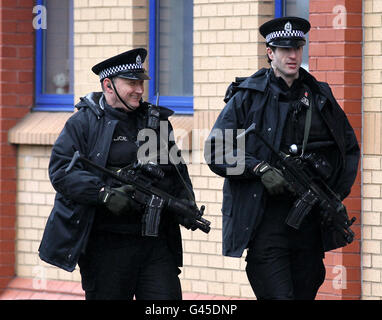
x: 282, y: 262
x: 96, y: 221
x: 123, y: 68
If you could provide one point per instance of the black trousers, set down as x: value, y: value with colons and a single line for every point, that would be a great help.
x: 284, y: 263
x: 122, y: 266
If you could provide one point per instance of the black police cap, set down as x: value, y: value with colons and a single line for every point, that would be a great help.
x: 286, y: 32
x: 127, y: 65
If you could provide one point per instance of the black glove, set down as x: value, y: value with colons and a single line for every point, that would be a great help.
x: 272, y: 179
x: 118, y: 200
x: 183, y: 219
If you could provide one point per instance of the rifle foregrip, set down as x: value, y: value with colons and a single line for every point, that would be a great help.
x: 193, y: 215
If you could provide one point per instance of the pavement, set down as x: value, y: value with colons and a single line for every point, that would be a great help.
x: 32, y: 289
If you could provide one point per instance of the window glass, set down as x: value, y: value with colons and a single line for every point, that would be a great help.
x: 57, y: 60
x: 171, y: 55
x: 175, y: 70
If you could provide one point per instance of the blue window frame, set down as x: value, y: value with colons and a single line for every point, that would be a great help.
x: 171, y: 64
x: 45, y: 97
x: 279, y: 8
x: 292, y: 8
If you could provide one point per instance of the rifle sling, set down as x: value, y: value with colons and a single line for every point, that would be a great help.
x: 308, y: 120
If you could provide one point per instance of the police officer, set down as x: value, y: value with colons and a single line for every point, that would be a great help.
x: 282, y: 262
x: 95, y: 221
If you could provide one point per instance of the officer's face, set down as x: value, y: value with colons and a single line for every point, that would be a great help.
x: 130, y: 91
x: 286, y: 62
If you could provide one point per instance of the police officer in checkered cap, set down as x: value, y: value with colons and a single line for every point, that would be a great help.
x: 127, y: 68
x: 96, y: 221
x: 297, y: 115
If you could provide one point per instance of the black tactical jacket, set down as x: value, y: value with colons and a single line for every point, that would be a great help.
x: 89, y: 131
x: 243, y: 194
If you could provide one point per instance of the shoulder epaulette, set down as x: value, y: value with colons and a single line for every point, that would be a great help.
x: 92, y: 101
x: 233, y: 88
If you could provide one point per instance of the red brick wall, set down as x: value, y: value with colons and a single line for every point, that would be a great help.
x: 335, y: 52
x: 16, y: 99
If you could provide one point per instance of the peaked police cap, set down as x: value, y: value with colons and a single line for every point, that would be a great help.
x: 127, y: 65
x: 286, y: 32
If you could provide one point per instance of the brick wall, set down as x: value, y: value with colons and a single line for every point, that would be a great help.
x: 227, y: 44
x: 336, y: 57
x: 372, y: 163
x: 35, y: 197
x: 16, y: 98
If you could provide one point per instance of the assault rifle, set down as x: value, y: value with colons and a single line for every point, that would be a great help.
x: 153, y: 199
x: 311, y: 190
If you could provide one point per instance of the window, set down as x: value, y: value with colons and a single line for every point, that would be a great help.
x: 296, y: 8
x: 171, y: 54
x: 54, y: 57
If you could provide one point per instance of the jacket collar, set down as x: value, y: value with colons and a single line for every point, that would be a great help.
x: 92, y: 100
x: 95, y: 102
x: 260, y: 81
x: 257, y: 81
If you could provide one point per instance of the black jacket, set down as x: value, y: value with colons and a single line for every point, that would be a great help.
x: 89, y: 131
x: 243, y: 193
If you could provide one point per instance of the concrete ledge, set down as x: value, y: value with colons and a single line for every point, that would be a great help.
x: 40, y: 128
x: 43, y: 128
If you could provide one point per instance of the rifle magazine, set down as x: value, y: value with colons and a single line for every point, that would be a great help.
x: 301, y: 208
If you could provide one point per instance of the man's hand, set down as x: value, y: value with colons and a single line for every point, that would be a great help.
x: 118, y: 200
x: 183, y: 219
x: 272, y: 178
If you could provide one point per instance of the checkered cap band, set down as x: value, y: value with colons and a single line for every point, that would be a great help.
x: 117, y: 69
x: 284, y: 34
